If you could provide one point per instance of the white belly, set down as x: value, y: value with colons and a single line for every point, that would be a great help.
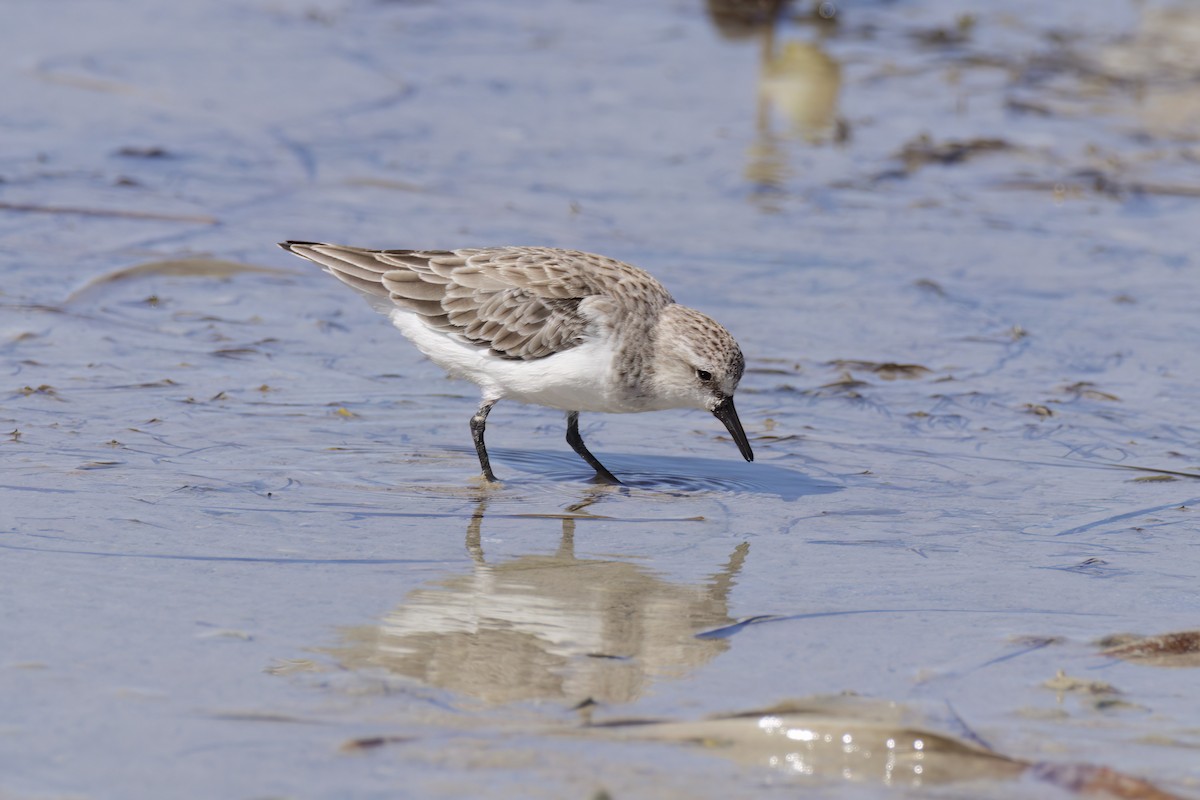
x: 578, y: 379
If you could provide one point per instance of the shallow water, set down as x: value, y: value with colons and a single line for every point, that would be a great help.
x: 244, y: 551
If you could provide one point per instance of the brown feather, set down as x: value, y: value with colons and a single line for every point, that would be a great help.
x: 519, y: 302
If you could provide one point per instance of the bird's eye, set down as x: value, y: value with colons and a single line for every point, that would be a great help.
x: 704, y: 375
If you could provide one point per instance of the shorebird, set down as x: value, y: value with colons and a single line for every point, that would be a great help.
x: 559, y: 328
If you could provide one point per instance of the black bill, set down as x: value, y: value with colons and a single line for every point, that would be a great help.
x: 728, y: 414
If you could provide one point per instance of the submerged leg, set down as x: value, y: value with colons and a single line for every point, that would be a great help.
x: 478, y: 422
x: 576, y: 442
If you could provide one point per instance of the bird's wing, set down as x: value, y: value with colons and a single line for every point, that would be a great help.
x: 519, y: 302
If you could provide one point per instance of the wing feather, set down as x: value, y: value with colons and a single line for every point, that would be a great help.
x: 518, y: 302
x: 404, y: 285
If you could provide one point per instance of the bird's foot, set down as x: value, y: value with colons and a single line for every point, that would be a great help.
x: 606, y: 478
x: 489, y: 479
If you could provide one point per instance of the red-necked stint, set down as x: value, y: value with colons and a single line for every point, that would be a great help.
x: 558, y: 328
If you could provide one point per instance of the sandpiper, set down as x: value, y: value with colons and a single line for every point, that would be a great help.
x: 560, y: 328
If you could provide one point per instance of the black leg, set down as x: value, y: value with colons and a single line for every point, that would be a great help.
x: 576, y: 442
x: 477, y: 425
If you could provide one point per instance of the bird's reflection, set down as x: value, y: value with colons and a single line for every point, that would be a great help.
x: 550, y: 626
x: 800, y: 83
x: 743, y: 19
x: 798, y: 88
x: 1156, y: 64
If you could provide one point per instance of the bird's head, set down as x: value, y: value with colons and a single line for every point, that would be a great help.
x: 697, y: 364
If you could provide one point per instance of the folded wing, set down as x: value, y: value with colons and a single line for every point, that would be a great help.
x: 519, y: 302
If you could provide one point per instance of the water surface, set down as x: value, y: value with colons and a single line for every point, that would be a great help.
x: 244, y: 550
